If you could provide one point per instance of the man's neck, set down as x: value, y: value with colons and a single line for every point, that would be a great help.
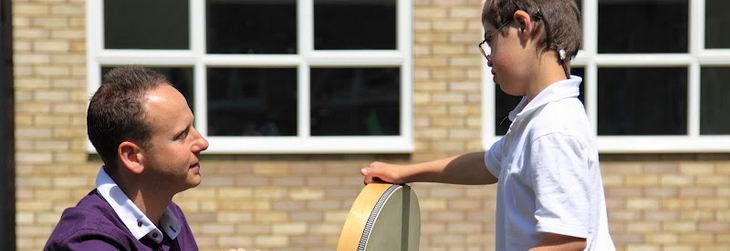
x: 152, y: 201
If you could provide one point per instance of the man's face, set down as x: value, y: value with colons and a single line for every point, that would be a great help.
x: 172, y: 160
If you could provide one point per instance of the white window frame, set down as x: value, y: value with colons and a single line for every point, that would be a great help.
x: 591, y: 60
x: 306, y: 59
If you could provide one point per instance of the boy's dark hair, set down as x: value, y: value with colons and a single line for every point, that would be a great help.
x: 560, y: 19
x: 117, y: 113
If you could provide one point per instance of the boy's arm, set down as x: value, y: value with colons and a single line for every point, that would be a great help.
x: 559, y: 242
x: 467, y: 169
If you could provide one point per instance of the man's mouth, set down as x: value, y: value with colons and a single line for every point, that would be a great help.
x: 197, y: 164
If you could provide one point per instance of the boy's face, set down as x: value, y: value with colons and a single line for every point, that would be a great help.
x: 172, y: 160
x: 508, y: 58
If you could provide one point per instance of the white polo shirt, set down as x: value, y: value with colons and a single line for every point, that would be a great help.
x: 548, y: 171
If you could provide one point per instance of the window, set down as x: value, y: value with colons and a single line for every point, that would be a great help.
x: 655, y: 76
x: 271, y: 76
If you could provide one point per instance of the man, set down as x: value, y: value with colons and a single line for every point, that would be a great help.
x: 143, y: 130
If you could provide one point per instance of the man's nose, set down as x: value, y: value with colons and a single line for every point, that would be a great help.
x: 489, y: 60
x: 201, y: 144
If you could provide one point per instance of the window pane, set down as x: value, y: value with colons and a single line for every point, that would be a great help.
x: 252, y: 101
x: 642, y: 101
x: 355, y: 101
x: 505, y: 103
x: 714, y: 103
x: 251, y: 26
x: 642, y: 26
x: 180, y: 77
x: 140, y: 24
x: 354, y: 24
x: 717, y: 23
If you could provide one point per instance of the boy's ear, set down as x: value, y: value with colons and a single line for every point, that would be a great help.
x: 525, y: 24
x: 131, y: 157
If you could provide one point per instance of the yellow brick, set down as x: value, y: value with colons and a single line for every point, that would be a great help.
x: 646, y: 204
x: 218, y: 228
x: 34, y: 158
x: 27, y: 9
x: 633, y: 247
x: 24, y: 218
x: 449, y: 26
x: 432, y: 204
x: 696, y: 168
x: 65, y: 182
x: 338, y: 216
x: 723, y: 216
x: 233, y: 241
x: 680, y: 226
x: 642, y: 180
x: 235, y: 192
x: 325, y: 228
x: 679, y: 248
x: 274, y: 241
x: 269, y: 192
x: 696, y: 215
x: 270, y: 217
x: 641, y: 227
x: 51, y: 46
x: 52, y: 218
x: 699, y: 238
x: 717, y: 180
x: 34, y: 231
x: 307, y: 194
x: 52, y: 194
x: 662, y: 238
x: 713, y: 203
x: 270, y: 169
x: 679, y: 204
x: 289, y: 228
x: 676, y: 180
x: 234, y: 218
x: 429, y: 13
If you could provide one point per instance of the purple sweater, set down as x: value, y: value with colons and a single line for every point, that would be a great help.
x: 93, y: 225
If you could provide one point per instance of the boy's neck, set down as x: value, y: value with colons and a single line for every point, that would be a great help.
x: 547, y: 71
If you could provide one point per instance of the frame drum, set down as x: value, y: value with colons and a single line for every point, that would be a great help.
x: 383, y: 217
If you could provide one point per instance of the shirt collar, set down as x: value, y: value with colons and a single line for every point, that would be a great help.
x: 136, y: 221
x: 562, y: 89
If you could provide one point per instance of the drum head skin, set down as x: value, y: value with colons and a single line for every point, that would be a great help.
x: 383, y: 217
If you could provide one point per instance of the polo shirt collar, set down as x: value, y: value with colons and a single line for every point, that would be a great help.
x: 136, y: 221
x: 567, y: 88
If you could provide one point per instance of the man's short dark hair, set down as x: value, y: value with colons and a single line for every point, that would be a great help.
x: 117, y: 113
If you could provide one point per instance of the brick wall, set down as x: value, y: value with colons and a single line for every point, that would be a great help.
x: 299, y: 202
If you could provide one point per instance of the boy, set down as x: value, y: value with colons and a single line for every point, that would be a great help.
x: 550, y: 193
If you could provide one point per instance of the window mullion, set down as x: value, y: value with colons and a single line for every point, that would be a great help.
x: 305, y: 46
x: 696, y: 47
x: 197, y: 44
x: 590, y: 45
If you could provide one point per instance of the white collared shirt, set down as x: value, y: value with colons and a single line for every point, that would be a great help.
x: 548, y: 171
x: 136, y: 221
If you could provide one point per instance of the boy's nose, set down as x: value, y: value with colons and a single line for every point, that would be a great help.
x: 489, y: 60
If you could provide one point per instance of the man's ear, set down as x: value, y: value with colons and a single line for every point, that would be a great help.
x: 131, y: 157
x: 526, y: 25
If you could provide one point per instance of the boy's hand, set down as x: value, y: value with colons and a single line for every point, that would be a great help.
x: 378, y: 172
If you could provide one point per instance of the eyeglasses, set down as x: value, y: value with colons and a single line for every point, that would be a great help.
x: 489, y: 37
x: 538, y: 16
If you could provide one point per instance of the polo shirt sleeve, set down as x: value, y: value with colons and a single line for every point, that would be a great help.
x: 559, y: 176
x: 86, y: 240
x: 493, y: 158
